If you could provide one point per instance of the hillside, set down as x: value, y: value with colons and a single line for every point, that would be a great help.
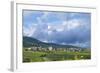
x: 29, y: 42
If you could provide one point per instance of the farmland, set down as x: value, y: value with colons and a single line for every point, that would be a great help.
x: 42, y: 56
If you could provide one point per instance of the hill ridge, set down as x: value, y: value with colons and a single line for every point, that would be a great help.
x: 30, y: 41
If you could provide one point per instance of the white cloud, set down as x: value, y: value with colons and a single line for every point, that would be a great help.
x: 75, y: 23
x: 46, y: 41
x: 49, y: 27
x: 27, y: 13
x: 45, y: 14
x: 29, y: 31
x: 82, y: 44
x: 65, y: 25
x: 60, y: 30
x: 50, y: 32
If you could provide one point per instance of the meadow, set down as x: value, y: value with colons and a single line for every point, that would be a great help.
x: 42, y: 56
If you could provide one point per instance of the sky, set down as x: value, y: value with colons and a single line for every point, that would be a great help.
x: 71, y: 28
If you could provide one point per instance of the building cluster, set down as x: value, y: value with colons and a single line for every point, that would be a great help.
x: 54, y: 49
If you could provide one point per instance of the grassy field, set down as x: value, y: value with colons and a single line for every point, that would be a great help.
x: 30, y: 56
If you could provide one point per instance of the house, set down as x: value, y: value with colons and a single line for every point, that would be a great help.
x: 50, y: 48
x: 29, y: 48
x: 34, y: 48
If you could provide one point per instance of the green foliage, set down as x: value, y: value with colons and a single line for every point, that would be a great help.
x: 31, y: 56
x: 26, y: 60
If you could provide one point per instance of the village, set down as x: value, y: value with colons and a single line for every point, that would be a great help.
x: 34, y: 49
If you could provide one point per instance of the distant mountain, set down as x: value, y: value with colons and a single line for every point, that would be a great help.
x: 29, y: 42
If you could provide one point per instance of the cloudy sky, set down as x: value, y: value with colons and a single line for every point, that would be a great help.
x: 72, y: 28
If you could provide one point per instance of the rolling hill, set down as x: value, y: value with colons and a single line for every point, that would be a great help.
x: 29, y: 42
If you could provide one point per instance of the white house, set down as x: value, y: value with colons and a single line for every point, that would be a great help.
x: 50, y: 48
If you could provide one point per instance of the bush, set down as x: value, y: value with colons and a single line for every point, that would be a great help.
x: 26, y: 60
